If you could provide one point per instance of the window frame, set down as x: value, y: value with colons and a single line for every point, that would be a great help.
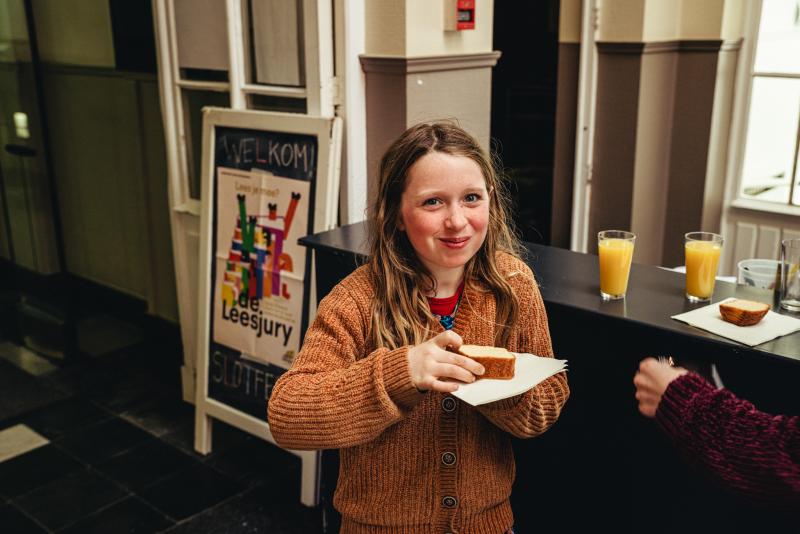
x: 740, y: 122
x: 318, y: 92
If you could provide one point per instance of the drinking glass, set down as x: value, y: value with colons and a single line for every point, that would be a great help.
x: 790, y: 275
x: 615, y: 252
x: 702, y: 259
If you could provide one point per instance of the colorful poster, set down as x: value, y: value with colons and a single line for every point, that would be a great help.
x: 259, y: 267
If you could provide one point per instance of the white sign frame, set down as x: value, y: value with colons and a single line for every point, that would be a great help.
x: 328, y: 132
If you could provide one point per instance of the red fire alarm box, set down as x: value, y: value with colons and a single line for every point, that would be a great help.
x: 459, y: 15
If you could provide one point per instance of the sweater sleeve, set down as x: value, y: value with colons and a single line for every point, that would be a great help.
x: 533, y: 412
x: 753, y: 452
x: 334, y: 396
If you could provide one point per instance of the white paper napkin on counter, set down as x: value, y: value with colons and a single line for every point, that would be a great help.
x: 529, y: 370
x: 771, y: 326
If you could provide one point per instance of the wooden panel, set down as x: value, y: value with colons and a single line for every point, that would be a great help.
x: 162, y: 300
x: 74, y: 32
x: 769, y: 240
x: 750, y: 234
x: 97, y: 157
x: 564, y: 160
x: 744, y: 245
x: 617, y: 101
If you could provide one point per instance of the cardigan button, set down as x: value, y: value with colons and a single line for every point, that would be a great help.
x: 448, y: 404
x: 449, y: 458
x: 449, y: 502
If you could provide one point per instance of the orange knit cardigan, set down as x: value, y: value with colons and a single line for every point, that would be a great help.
x: 413, y: 462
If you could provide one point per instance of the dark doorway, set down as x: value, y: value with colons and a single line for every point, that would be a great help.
x: 524, y: 108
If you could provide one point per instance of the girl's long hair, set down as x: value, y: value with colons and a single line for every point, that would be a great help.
x: 400, y: 313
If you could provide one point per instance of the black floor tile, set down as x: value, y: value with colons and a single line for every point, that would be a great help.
x: 190, y: 491
x: 33, y: 469
x: 69, y: 498
x: 256, y: 511
x: 130, y: 516
x: 224, y: 438
x: 123, y: 395
x: 160, y: 415
x: 15, y: 522
x: 21, y: 392
x: 182, y: 437
x: 147, y: 463
x: 104, y: 440
x: 83, y: 377
x: 60, y: 418
x: 255, y: 461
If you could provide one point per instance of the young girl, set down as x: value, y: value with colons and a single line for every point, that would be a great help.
x: 374, y: 374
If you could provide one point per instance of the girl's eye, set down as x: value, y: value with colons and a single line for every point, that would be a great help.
x: 431, y: 202
x: 472, y: 197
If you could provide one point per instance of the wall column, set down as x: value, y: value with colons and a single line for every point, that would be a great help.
x: 662, y: 110
x: 416, y: 71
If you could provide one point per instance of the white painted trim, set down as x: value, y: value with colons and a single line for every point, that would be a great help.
x: 233, y: 10
x: 741, y: 108
x: 765, y: 207
x: 275, y: 90
x: 584, y: 141
x: 318, y: 50
x: 181, y: 180
x: 355, y: 108
x: 178, y: 203
x: 220, y: 87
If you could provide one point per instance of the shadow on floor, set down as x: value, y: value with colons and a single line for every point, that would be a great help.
x: 117, y: 449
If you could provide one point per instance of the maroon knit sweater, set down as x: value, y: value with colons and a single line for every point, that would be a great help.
x: 752, y: 452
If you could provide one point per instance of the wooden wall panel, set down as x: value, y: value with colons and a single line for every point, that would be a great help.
x: 754, y: 234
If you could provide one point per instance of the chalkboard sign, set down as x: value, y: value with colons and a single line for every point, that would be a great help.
x: 268, y: 180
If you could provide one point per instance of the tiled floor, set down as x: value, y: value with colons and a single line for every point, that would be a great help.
x: 106, y: 446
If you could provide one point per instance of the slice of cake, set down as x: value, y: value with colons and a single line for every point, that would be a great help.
x: 497, y: 361
x: 743, y: 312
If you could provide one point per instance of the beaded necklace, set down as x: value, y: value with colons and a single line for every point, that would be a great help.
x: 447, y: 321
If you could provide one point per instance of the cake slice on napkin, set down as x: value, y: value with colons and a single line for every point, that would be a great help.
x: 497, y: 361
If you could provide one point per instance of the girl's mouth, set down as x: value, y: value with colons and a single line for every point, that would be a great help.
x: 454, y: 242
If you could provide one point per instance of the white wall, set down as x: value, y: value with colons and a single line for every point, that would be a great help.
x: 415, y: 28
x: 425, y: 35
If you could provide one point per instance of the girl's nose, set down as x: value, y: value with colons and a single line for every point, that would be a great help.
x: 455, y: 219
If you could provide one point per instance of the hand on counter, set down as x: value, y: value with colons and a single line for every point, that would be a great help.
x: 651, y: 382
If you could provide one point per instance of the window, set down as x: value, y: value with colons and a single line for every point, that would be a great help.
x: 769, y: 169
x: 250, y: 54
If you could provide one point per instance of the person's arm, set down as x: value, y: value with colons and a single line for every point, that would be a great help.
x: 753, y: 452
x: 332, y: 397
x: 533, y: 412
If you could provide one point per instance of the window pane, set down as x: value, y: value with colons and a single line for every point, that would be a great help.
x: 771, y: 139
x: 778, y: 47
x: 202, y: 34
x: 193, y: 103
x: 276, y: 42
x: 276, y: 103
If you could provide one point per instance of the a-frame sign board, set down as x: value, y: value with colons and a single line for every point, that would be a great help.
x: 267, y: 180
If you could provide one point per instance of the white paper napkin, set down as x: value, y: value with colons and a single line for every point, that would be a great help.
x: 771, y: 326
x: 529, y: 371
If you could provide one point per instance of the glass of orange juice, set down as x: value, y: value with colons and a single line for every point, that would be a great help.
x: 702, y: 258
x: 615, y: 252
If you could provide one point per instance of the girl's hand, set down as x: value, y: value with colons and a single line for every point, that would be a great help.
x: 651, y: 382
x: 430, y: 362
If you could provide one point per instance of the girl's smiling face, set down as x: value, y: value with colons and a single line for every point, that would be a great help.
x: 444, y: 210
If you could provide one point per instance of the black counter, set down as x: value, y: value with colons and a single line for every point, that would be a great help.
x: 571, y: 280
x: 603, y: 462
